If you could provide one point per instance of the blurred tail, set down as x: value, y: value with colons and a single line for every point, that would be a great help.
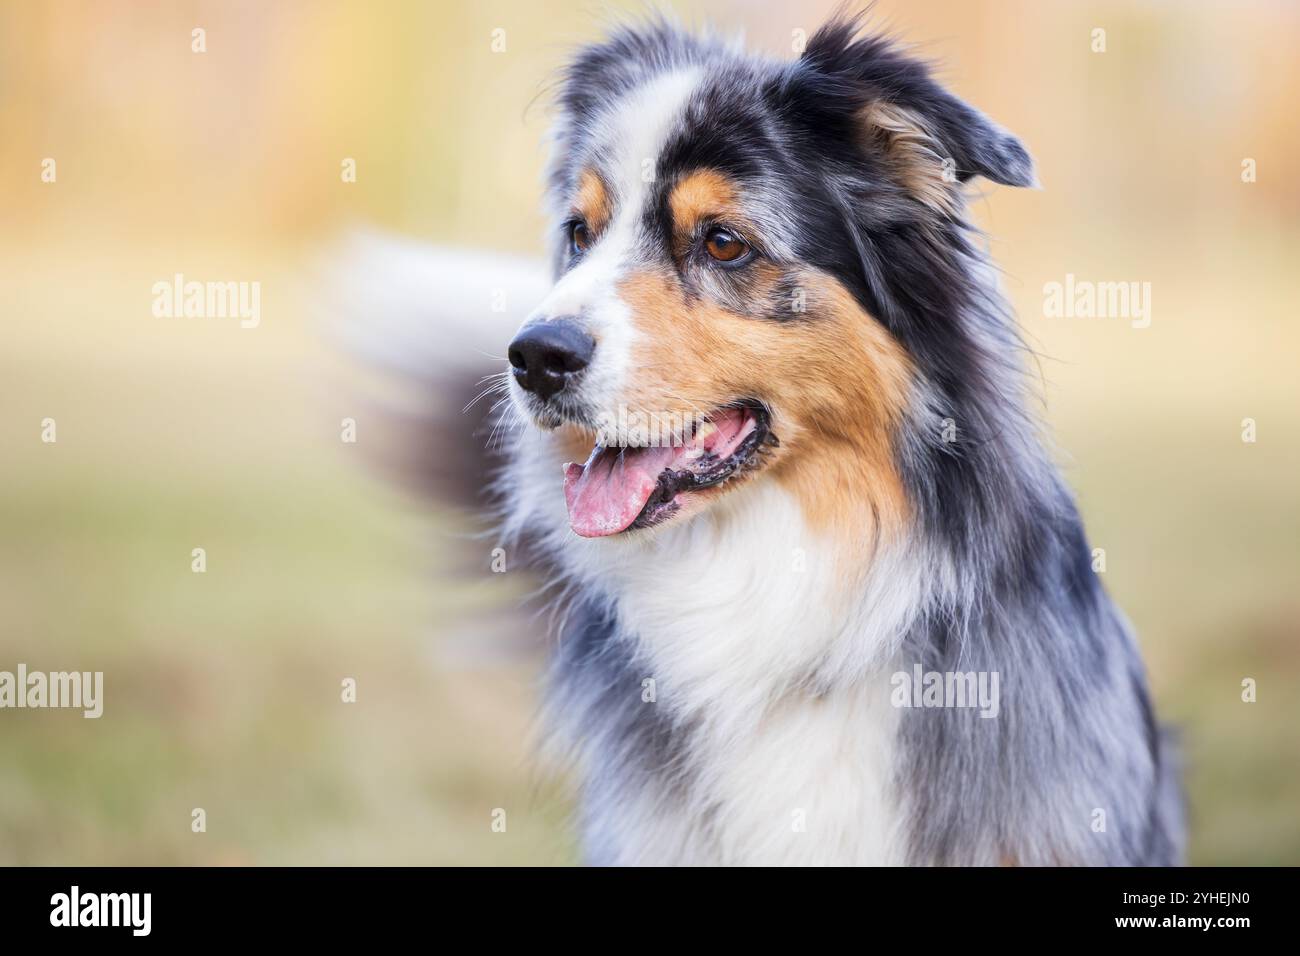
x: 433, y: 324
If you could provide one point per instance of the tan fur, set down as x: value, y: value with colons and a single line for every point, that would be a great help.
x: 912, y: 152
x: 701, y: 196
x: 592, y: 201
x: 834, y: 378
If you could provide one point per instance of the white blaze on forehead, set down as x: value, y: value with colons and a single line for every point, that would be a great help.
x: 636, y: 128
x: 629, y: 136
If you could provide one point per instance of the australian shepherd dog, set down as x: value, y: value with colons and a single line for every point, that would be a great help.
x: 827, y: 599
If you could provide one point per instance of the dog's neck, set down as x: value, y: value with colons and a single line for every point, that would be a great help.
x: 739, y: 656
x: 747, y: 602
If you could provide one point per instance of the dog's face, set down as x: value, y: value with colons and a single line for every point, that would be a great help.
x: 723, y: 312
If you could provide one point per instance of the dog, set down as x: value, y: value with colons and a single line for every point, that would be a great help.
x: 826, y: 598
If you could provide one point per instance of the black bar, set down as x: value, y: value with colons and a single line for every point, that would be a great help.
x: 330, y: 905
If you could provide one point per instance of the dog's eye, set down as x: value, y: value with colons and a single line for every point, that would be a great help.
x: 725, y: 246
x: 579, y: 237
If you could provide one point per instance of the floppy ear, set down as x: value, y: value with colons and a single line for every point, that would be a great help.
x: 929, y: 139
x: 963, y: 141
x: 931, y: 164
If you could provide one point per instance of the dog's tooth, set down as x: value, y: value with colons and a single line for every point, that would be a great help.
x: 704, y: 432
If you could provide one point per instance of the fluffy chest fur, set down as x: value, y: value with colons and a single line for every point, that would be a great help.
x: 725, y: 692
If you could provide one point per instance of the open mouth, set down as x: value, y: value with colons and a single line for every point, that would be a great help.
x: 621, y: 488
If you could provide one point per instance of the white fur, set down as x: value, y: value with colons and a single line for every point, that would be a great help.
x: 744, y: 618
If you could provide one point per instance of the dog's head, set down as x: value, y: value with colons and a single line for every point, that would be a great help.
x: 758, y: 265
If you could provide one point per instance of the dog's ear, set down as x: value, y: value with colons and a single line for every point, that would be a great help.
x: 958, y: 139
x: 928, y: 138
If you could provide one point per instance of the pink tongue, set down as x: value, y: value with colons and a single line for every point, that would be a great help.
x: 606, y: 494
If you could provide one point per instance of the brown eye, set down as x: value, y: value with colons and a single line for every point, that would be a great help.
x: 579, y: 237
x: 725, y: 246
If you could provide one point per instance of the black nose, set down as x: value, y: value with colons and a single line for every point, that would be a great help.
x: 548, y: 355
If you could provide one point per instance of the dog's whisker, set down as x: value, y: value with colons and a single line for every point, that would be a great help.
x: 498, y: 387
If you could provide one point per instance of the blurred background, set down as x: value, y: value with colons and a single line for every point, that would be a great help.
x: 222, y: 689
